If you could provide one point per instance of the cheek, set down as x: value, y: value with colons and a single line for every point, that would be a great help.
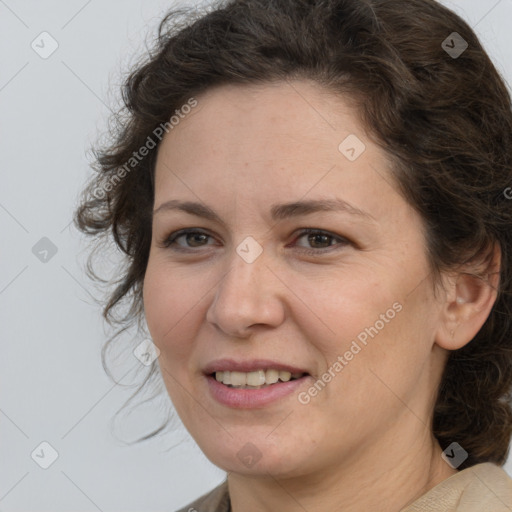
x: 374, y: 326
x: 169, y: 305
x: 345, y: 307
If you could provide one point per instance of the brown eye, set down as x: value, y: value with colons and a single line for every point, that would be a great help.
x: 192, y: 238
x: 320, y: 240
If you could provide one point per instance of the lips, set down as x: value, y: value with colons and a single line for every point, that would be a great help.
x: 241, y: 395
x: 255, y: 398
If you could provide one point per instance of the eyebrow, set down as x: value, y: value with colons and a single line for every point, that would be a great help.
x: 277, y: 211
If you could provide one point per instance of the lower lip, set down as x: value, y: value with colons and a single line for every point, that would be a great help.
x: 252, y: 398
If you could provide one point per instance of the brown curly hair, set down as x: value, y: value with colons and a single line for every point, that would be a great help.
x: 445, y: 119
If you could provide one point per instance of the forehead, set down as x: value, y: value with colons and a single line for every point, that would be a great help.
x: 269, y: 141
x: 240, y: 125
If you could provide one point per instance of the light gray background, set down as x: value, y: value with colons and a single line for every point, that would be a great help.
x: 54, y: 388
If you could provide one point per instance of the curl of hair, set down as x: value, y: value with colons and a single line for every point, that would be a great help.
x: 445, y: 122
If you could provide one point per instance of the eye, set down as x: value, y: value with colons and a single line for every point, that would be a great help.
x: 192, y: 236
x: 320, y: 240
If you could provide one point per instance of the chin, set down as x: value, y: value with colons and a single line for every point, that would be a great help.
x: 253, y: 456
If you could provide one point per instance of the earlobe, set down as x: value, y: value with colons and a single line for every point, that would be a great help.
x: 469, y: 299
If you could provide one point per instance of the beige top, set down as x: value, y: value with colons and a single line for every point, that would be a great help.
x: 481, y: 488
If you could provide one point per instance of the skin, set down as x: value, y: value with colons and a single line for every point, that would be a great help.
x: 364, y: 442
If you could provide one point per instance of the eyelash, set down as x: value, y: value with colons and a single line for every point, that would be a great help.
x: 170, y: 241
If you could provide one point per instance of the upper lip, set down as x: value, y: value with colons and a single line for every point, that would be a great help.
x: 230, y: 365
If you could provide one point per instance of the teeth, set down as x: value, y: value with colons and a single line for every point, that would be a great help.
x: 285, y: 376
x: 238, y: 378
x: 254, y: 379
x: 271, y: 376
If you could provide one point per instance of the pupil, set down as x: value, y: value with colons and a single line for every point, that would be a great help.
x: 325, y: 237
x: 196, y: 235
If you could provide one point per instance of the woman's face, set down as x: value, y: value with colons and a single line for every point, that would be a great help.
x: 349, y: 305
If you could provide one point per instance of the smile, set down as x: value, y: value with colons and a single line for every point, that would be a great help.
x: 253, y: 384
x: 255, y: 379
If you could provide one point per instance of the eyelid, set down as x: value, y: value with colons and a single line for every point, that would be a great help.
x: 170, y: 238
x: 342, y: 241
x: 168, y: 241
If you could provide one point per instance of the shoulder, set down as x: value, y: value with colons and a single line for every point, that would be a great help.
x: 481, y: 488
x: 216, y: 500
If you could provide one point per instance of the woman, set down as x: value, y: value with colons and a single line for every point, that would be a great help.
x: 312, y: 199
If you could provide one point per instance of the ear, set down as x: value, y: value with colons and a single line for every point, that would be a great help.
x: 469, y: 297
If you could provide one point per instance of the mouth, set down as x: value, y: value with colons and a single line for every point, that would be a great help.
x: 255, y: 379
x: 252, y: 384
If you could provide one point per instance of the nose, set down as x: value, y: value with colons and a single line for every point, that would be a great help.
x: 249, y: 295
